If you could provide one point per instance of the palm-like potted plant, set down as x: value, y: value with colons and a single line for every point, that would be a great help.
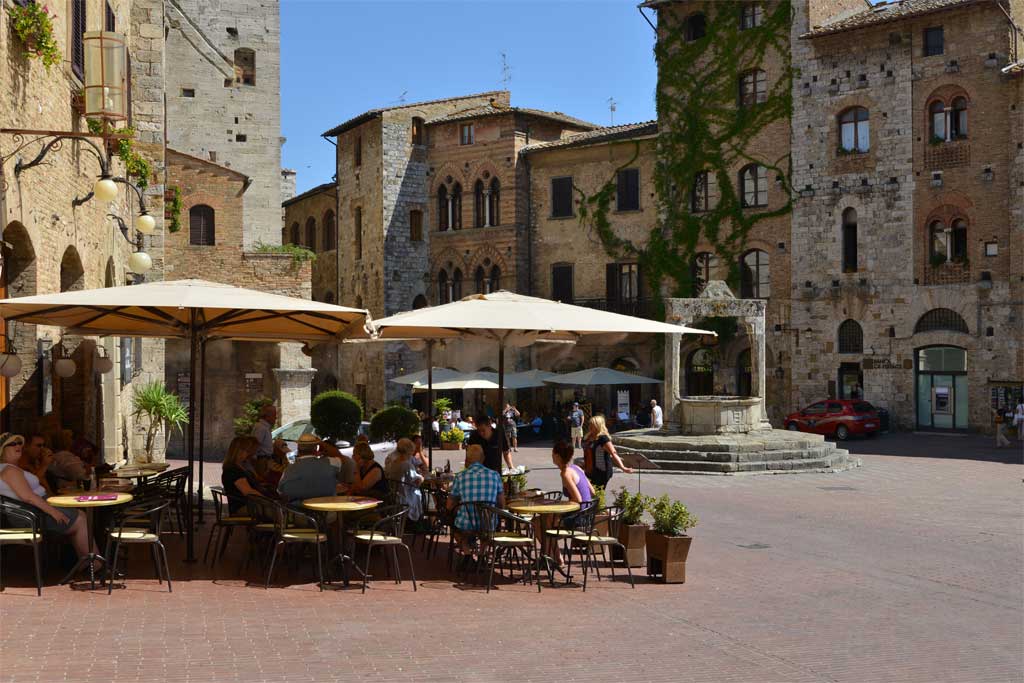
x: 162, y: 409
x: 668, y: 545
x: 632, y: 530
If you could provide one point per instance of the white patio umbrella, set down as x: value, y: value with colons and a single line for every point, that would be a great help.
x: 513, y: 320
x: 195, y: 310
x: 599, y: 377
x: 489, y: 380
x: 418, y: 380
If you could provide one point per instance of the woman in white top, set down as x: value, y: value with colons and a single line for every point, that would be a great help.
x: 24, y: 486
x: 401, y: 469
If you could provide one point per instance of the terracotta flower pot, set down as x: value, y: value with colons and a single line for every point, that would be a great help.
x: 451, y: 446
x: 634, y: 537
x: 666, y: 556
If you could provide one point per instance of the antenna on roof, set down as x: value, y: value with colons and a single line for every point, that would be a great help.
x: 611, y: 110
x: 506, y: 71
x: 401, y: 98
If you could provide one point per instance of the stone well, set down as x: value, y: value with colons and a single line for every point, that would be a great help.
x: 700, y: 415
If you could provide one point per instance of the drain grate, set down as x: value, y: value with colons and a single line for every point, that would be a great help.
x: 754, y: 546
x: 837, y: 488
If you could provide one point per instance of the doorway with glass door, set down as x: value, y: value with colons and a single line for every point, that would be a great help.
x: 940, y: 378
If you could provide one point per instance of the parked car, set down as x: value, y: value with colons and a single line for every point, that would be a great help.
x: 836, y: 417
x: 293, y: 430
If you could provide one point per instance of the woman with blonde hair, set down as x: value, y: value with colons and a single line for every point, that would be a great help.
x: 239, y: 481
x: 369, y: 477
x: 599, y: 453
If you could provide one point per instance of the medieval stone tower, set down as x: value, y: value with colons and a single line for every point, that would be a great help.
x: 223, y: 97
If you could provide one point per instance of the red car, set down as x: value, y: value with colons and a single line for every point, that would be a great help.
x: 836, y: 417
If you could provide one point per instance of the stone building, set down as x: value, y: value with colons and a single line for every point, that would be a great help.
x: 907, y: 277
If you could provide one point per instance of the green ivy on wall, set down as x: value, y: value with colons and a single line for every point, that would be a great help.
x: 702, y: 128
x: 136, y: 166
x: 173, y: 211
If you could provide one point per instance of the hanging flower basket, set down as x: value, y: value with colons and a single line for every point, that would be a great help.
x: 33, y: 25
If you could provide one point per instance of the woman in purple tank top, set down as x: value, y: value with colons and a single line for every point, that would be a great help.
x: 575, y: 484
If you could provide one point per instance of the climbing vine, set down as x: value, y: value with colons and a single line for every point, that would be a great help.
x: 173, y: 209
x: 702, y: 129
x: 135, y: 165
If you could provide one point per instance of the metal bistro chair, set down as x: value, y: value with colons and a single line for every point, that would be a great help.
x: 224, y: 523
x: 285, y: 534
x: 571, y: 526
x: 593, y: 541
x: 126, y: 530
x: 387, y: 533
x: 511, y: 534
x: 31, y: 535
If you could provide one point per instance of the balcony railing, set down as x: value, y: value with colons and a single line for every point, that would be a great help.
x: 640, y: 308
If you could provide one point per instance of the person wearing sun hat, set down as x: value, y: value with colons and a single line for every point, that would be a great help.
x: 310, y: 476
x: 24, y: 486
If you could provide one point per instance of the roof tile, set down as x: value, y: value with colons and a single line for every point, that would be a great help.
x: 593, y: 137
x: 887, y: 12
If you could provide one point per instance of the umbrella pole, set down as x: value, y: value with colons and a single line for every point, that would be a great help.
x: 501, y: 401
x: 430, y: 404
x: 190, y: 555
x: 202, y: 421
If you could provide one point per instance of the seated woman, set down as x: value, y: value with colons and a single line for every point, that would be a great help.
x: 575, y: 486
x: 238, y: 480
x: 403, y: 471
x: 36, y: 459
x: 369, y: 477
x: 278, y: 464
x: 419, y: 458
x: 24, y: 486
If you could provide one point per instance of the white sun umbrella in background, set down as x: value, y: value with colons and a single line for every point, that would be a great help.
x: 514, y: 320
x: 600, y: 377
x: 418, y: 380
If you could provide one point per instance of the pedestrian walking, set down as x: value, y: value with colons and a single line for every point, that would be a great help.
x: 657, y: 418
x: 1018, y: 420
x: 576, y: 425
x: 1001, y: 439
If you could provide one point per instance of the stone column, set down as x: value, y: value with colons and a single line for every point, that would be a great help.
x: 672, y: 388
x: 755, y: 330
x: 294, y: 381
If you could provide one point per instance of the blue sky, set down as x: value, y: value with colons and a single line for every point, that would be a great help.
x: 342, y: 57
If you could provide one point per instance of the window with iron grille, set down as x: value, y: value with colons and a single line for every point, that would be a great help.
x: 78, y: 29
x: 561, y: 197
x: 753, y: 88
x: 934, y: 40
x: 628, y: 190
x: 851, y: 337
x: 941, y: 319
x: 201, y: 226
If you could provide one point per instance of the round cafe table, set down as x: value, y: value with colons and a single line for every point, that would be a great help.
x: 341, y: 505
x: 533, y: 506
x: 86, y: 502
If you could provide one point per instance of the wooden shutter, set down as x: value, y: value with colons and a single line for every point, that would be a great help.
x: 561, y: 197
x: 201, y: 228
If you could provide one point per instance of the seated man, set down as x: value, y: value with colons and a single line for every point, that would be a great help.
x: 68, y: 469
x: 311, y: 476
x: 475, y: 484
x: 344, y: 466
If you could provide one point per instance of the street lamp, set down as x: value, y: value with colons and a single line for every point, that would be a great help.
x: 105, y: 71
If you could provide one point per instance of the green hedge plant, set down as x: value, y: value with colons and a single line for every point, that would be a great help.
x: 671, y: 518
x: 632, y: 504
x: 394, y: 422
x: 336, y: 415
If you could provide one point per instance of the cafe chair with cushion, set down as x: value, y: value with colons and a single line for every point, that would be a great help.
x: 571, y: 526
x: 224, y: 523
x: 387, y: 534
x: 19, y: 525
x: 511, y: 535
x: 287, y: 531
x: 127, y: 529
x: 593, y: 541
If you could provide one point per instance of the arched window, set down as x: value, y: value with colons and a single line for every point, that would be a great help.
x: 494, y: 218
x: 947, y: 243
x: 704, y: 195
x: 704, y: 264
x: 494, y: 281
x: 854, y: 134
x: 201, y: 226
x: 700, y: 373
x: 755, y: 277
x: 851, y: 337
x: 294, y: 239
x: 455, y: 202
x: 694, y: 27
x: 753, y: 87
x: 456, y: 285
x: 245, y: 66
x: 937, y: 113
x: 311, y: 233
x: 850, y: 240
x: 481, y: 282
x: 958, y: 118
x: 941, y: 319
x: 444, y: 219
x: 358, y: 241
x: 417, y: 130
x: 330, y: 231
x: 415, y: 226
x: 479, y: 205
x: 72, y: 274
x: 754, y: 185
x: 444, y: 292
x: 419, y: 302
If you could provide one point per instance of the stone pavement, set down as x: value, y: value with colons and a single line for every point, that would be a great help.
x: 906, y: 569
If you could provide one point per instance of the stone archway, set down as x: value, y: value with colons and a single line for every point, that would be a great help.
x: 20, y: 399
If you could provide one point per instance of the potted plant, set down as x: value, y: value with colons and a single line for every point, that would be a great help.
x: 451, y: 439
x: 667, y: 543
x: 33, y: 24
x: 336, y: 415
x: 163, y: 409
x: 394, y: 423
x: 442, y: 405
x: 632, y: 530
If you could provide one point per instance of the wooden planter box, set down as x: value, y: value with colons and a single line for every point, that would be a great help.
x: 666, y: 556
x: 451, y: 446
x: 634, y: 537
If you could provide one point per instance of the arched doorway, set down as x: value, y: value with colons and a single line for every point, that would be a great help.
x: 940, y: 380
x: 19, y: 396
x: 700, y: 373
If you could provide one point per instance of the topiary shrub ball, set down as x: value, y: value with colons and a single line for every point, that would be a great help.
x: 336, y: 415
x: 394, y: 422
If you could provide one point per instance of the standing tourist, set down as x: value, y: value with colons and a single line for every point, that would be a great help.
x: 1001, y: 439
x: 487, y: 439
x: 657, y: 418
x: 576, y: 425
x: 510, y: 415
x: 600, y: 453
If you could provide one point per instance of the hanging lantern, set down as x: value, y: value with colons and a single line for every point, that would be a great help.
x: 105, y: 72
x: 140, y: 262
x: 105, y: 189
x: 145, y: 224
x: 102, y: 365
x: 64, y: 367
x: 10, y: 364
